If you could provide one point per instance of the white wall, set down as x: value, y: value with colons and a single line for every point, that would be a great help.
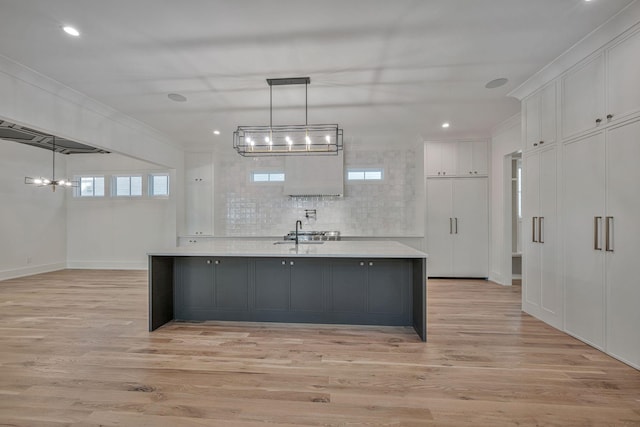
x: 115, y: 232
x: 393, y: 207
x: 32, y: 220
x: 506, y: 139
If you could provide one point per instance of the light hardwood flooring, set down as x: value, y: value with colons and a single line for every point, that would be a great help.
x: 74, y: 350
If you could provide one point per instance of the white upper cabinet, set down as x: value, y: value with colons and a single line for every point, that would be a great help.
x: 198, y: 194
x: 539, y: 113
x: 461, y: 158
x: 472, y: 158
x: 583, y: 98
x: 623, y: 81
x: 441, y: 158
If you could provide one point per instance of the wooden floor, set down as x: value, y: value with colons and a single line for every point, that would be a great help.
x: 74, y: 350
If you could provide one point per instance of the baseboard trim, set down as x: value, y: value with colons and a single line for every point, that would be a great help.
x: 107, y: 265
x: 14, y: 273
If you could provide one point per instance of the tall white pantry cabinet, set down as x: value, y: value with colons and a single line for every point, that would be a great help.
x: 581, y: 201
x: 457, y: 220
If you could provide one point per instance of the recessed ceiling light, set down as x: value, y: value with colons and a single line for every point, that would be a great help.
x: 177, y: 97
x: 496, y: 83
x: 445, y: 125
x: 216, y: 132
x: 71, y: 31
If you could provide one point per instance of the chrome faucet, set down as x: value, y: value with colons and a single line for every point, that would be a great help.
x: 298, y: 222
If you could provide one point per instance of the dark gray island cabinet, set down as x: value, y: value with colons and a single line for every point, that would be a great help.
x: 273, y: 285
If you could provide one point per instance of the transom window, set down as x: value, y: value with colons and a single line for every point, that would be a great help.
x: 372, y: 174
x: 159, y: 185
x: 127, y: 185
x: 267, y: 176
x: 91, y: 186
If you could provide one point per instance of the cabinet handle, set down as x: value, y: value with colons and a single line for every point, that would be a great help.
x: 208, y: 261
x: 609, y: 234
x: 541, y: 142
x: 456, y: 225
x: 444, y: 173
x: 596, y: 233
x: 370, y: 263
x: 535, y: 144
x: 217, y: 262
x: 534, y: 220
x: 361, y: 263
x: 290, y: 262
x: 476, y: 172
x: 609, y: 116
x: 438, y: 173
x: 540, y: 229
x: 471, y: 173
x: 450, y: 225
x: 284, y: 263
x: 598, y: 121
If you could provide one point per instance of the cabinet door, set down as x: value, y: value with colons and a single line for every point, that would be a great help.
x: 198, y: 167
x: 480, y: 152
x: 387, y: 292
x: 531, y: 107
x: 348, y: 286
x: 550, y: 291
x: 583, y: 203
x: 623, y: 205
x: 623, y: 84
x: 440, y: 227
x: 272, y: 290
x: 530, y: 244
x: 232, y: 283
x: 548, y: 116
x: 194, y: 291
x: 448, y: 158
x: 464, y: 158
x: 470, y: 228
x: 307, y: 285
x: 583, y: 98
x: 199, y: 208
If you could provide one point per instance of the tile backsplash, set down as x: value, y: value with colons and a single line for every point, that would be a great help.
x: 375, y: 208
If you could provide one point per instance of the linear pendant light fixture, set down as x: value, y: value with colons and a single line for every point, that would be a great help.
x: 288, y: 140
x: 53, y: 182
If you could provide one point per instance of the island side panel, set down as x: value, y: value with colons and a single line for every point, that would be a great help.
x: 420, y: 297
x: 160, y: 291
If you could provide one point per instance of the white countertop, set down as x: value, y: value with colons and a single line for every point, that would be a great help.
x: 328, y: 249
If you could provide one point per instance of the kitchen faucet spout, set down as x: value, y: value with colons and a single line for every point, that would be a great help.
x: 298, y: 222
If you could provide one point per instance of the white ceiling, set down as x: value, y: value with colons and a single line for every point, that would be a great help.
x: 389, y: 70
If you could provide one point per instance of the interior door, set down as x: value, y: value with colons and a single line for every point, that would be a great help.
x: 470, y: 228
x: 623, y: 208
x: 583, y: 201
x: 440, y: 227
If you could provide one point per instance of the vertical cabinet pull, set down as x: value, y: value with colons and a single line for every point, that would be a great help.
x: 541, y: 229
x: 609, y: 234
x: 456, y: 225
x: 596, y: 233
x: 534, y: 238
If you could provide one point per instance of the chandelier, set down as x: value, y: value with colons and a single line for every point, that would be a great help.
x: 53, y: 182
x: 284, y: 140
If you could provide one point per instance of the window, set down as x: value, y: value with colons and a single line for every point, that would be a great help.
x: 267, y: 176
x: 91, y: 186
x: 158, y: 185
x: 127, y: 185
x: 364, y: 174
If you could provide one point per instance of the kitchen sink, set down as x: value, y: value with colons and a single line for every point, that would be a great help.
x: 301, y: 242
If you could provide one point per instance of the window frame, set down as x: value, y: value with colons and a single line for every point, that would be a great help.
x: 151, y: 185
x: 78, y: 193
x: 114, y: 185
x: 270, y: 175
x: 364, y: 172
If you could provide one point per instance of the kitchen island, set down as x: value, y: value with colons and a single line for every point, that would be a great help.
x: 365, y: 283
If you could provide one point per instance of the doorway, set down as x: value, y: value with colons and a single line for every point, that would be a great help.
x: 513, y: 218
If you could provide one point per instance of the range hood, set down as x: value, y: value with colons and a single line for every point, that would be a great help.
x: 314, y: 175
x: 24, y: 135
